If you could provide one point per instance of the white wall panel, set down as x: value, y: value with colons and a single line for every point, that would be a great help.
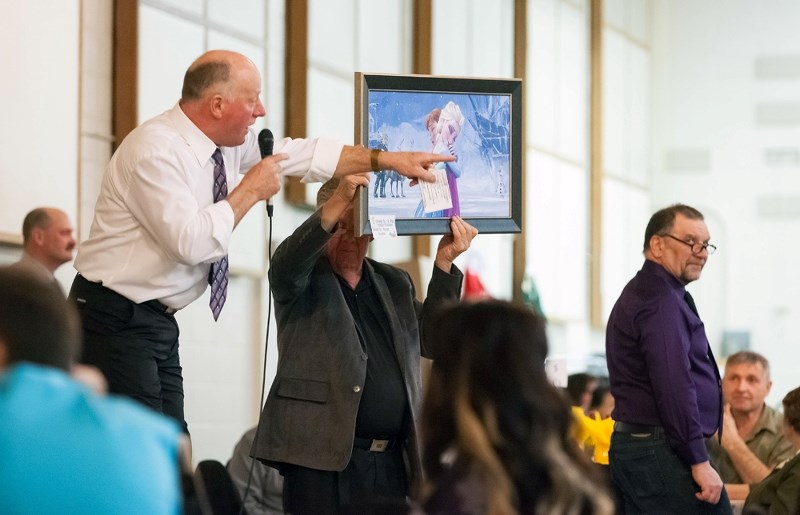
x: 40, y: 129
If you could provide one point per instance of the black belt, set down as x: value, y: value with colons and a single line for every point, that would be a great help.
x: 375, y: 444
x: 85, y: 284
x: 161, y: 308
x: 624, y: 427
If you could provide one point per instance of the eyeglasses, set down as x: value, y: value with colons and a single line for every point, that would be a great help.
x: 697, y: 248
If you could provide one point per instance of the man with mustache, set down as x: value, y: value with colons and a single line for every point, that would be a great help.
x: 47, y: 242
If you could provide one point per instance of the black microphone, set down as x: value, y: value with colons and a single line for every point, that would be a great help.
x: 265, y: 142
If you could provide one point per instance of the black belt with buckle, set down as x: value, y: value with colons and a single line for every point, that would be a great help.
x: 161, y: 308
x: 84, y: 287
x: 624, y: 427
x: 376, y: 444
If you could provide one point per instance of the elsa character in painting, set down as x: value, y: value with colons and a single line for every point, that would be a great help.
x: 444, y: 126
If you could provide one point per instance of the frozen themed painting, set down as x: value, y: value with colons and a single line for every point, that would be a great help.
x: 476, y: 127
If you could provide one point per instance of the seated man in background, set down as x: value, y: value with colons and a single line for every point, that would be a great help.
x: 260, y: 486
x: 752, y: 437
x: 47, y: 243
x: 64, y: 448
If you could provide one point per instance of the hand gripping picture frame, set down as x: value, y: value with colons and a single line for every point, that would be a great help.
x: 477, y: 120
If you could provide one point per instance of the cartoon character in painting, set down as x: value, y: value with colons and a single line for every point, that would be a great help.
x: 444, y: 126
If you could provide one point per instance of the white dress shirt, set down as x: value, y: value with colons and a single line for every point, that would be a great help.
x: 156, y: 229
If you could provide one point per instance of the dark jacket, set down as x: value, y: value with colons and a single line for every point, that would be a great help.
x: 778, y: 493
x: 313, y: 402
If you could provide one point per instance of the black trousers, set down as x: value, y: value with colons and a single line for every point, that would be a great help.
x: 134, y: 345
x: 649, y: 477
x: 372, y: 482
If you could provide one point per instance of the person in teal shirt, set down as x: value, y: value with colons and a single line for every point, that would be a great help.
x: 64, y: 448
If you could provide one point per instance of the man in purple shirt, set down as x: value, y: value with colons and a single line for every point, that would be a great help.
x: 663, y: 377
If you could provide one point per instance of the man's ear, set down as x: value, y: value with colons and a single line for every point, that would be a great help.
x: 656, y: 245
x: 37, y: 236
x: 216, y: 104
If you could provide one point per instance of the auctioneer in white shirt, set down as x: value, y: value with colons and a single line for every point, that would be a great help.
x: 156, y: 229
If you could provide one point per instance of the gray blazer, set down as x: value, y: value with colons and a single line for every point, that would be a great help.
x: 312, y: 404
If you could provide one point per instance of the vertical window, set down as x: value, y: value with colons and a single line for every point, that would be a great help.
x: 557, y: 99
x: 626, y: 143
x: 345, y: 37
x: 470, y: 39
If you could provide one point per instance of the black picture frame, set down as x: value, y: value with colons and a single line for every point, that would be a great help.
x: 391, y: 113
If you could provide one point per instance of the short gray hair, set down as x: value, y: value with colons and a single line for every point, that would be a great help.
x: 326, y: 191
x: 200, y: 77
x: 748, y: 357
x: 662, y: 220
x: 39, y: 217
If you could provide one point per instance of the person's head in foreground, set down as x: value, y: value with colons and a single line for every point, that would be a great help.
x: 495, y: 431
x: 56, y: 435
x: 37, y: 325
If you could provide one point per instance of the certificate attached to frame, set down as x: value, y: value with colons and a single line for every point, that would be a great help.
x: 477, y: 120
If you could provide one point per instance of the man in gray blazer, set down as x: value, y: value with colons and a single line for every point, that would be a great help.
x: 340, y: 421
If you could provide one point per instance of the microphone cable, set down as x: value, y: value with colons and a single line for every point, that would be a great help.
x: 264, y: 366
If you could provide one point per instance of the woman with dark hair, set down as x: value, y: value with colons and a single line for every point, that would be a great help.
x: 779, y: 492
x: 495, y: 432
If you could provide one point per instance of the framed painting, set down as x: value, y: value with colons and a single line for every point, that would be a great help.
x: 477, y: 120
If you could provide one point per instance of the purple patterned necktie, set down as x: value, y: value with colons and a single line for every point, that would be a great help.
x: 218, y: 275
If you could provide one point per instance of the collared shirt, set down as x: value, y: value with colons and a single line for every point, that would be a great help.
x: 383, y: 409
x: 156, y: 228
x: 260, y: 486
x: 658, y: 363
x: 766, y: 442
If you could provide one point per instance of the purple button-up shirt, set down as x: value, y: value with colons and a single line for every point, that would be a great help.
x: 659, y: 366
